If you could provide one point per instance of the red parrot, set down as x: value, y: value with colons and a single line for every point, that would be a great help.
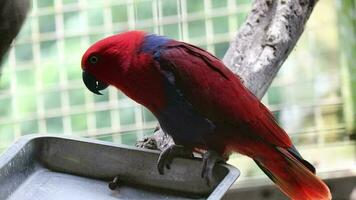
x: 201, y: 104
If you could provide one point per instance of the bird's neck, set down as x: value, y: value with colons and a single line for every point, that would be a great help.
x: 143, y: 83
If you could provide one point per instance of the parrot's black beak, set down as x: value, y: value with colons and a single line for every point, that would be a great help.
x: 92, y: 84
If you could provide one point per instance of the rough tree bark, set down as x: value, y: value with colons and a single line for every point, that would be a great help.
x: 262, y: 44
x: 12, y: 15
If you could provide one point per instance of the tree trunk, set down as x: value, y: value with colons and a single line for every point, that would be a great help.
x: 259, y: 49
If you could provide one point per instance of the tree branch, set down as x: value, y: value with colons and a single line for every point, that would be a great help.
x: 262, y: 44
x: 265, y: 40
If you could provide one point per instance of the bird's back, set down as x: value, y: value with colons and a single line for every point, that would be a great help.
x: 218, y: 94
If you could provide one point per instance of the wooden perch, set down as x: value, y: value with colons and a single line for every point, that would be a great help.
x: 262, y: 44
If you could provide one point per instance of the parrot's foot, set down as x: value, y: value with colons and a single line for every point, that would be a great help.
x: 115, y: 183
x: 166, y: 157
x: 210, y: 159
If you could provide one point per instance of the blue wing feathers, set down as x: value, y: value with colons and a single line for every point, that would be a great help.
x: 179, y: 118
x: 152, y: 43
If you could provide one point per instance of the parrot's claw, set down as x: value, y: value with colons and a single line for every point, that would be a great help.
x: 166, y: 157
x: 210, y: 159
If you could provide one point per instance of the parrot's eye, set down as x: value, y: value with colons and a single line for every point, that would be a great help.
x: 93, y: 59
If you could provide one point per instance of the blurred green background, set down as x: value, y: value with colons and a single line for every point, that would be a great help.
x: 41, y: 91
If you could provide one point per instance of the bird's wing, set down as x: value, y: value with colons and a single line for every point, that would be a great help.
x: 217, y: 93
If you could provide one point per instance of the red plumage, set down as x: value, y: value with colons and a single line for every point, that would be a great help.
x: 137, y: 65
x: 219, y: 95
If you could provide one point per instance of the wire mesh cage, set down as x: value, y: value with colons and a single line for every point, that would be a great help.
x: 41, y: 89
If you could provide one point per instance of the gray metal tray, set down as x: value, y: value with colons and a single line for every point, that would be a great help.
x: 56, y: 168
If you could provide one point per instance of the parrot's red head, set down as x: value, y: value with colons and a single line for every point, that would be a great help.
x: 105, y: 61
x: 124, y: 61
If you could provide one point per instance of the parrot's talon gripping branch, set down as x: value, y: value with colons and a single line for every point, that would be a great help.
x: 210, y: 159
x: 114, y: 183
x: 166, y: 157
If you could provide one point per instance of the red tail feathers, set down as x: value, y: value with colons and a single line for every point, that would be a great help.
x: 293, y: 178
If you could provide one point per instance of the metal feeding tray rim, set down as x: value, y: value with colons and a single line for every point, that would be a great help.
x: 8, y: 155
